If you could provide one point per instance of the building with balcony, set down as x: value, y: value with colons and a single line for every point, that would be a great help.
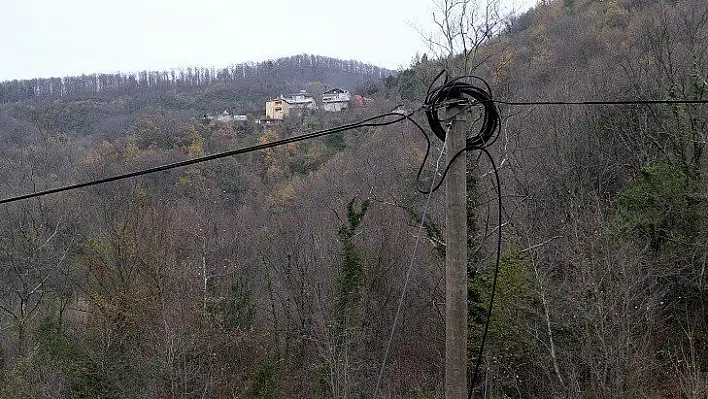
x: 280, y: 107
x: 335, y: 100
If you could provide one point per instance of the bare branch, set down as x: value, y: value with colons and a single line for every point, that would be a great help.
x: 542, y: 243
x: 10, y: 312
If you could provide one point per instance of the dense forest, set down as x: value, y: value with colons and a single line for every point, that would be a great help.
x: 293, y: 69
x: 278, y: 273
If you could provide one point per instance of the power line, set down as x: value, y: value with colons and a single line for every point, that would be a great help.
x: 363, y: 123
x: 366, y: 122
x: 594, y: 102
x: 464, y: 102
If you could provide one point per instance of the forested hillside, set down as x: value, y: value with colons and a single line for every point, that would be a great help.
x: 278, y: 273
x: 280, y: 73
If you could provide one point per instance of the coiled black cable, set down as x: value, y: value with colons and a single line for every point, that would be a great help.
x: 464, y: 94
x: 461, y: 93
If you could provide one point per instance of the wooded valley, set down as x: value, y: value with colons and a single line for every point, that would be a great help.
x: 278, y: 273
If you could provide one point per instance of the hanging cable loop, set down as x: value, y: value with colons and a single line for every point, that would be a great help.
x: 465, y: 93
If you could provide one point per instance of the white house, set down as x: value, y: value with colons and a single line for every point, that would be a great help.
x: 335, y: 100
x: 300, y: 100
x: 225, y: 117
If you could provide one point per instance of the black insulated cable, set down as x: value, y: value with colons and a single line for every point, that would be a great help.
x: 462, y: 93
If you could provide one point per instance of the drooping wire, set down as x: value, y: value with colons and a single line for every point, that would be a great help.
x: 462, y: 94
x: 475, y: 374
x: 368, y: 122
x: 429, y: 194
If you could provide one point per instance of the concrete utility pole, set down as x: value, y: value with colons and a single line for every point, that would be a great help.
x: 456, y: 259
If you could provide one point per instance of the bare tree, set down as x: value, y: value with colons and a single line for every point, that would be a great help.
x: 33, y: 251
x: 460, y: 29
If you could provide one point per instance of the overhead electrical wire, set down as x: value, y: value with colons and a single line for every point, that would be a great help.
x: 428, y: 194
x: 598, y: 102
x: 435, y: 100
x: 580, y: 102
x: 461, y: 94
x: 368, y: 122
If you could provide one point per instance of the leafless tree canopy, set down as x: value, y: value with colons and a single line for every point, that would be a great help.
x: 278, y: 273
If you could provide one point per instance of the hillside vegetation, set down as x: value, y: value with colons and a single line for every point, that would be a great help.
x: 246, y: 77
x: 278, y: 273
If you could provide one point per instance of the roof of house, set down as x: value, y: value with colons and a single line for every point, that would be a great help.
x: 335, y: 90
x: 298, y: 97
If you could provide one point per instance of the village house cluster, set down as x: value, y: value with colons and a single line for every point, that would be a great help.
x: 333, y: 100
x: 277, y: 109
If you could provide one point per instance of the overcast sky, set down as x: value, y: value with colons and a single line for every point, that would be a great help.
x: 44, y: 38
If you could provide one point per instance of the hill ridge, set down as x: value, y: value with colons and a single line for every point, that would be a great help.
x: 296, y: 68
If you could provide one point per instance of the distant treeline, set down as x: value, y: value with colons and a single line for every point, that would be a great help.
x: 302, y: 67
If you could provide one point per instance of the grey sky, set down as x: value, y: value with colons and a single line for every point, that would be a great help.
x: 44, y: 38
